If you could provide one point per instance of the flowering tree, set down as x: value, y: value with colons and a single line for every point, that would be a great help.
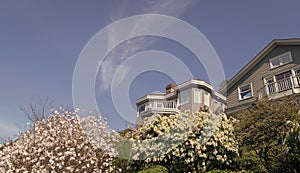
x: 37, y: 110
x: 63, y: 142
x: 185, y: 142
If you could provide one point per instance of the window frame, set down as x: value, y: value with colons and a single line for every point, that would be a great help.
x: 286, y: 77
x: 180, y: 97
x: 141, y: 107
x: 239, y: 91
x: 206, y: 98
x: 197, y: 93
x: 297, y: 75
x: 297, y: 71
x: 280, y: 59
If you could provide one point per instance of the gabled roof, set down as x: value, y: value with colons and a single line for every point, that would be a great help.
x: 259, y: 57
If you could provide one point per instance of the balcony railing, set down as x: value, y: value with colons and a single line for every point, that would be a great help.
x: 283, y: 85
x: 160, y: 107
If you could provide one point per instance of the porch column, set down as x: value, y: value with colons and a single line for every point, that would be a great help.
x: 294, y: 83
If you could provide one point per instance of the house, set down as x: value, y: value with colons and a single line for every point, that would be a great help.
x: 273, y: 73
x: 190, y: 95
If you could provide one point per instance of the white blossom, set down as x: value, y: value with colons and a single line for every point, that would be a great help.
x: 209, y: 137
x: 61, y: 143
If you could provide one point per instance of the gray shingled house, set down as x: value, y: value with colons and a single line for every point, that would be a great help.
x: 273, y: 73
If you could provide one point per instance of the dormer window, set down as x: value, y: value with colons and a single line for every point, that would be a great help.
x: 281, y: 60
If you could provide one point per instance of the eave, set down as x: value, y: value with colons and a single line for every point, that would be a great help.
x: 259, y: 57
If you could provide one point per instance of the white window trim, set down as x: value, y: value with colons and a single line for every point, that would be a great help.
x: 180, y: 95
x: 295, y: 74
x: 239, y: 92
x: 195, y: 90
x: 206, y: 93
x: 279, y: 57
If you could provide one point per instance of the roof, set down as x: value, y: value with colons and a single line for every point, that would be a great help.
x: 259, y: 57
x: 178, y: 87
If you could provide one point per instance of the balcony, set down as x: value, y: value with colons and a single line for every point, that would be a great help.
x: 159, y: 107
x: 283, y: 87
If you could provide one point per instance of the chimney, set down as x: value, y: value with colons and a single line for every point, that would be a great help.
x: 170, y: 88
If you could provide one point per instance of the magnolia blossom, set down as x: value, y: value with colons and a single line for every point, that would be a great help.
x: 63, y: 142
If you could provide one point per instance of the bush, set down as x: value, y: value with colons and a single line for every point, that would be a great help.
x: 155, y: 169
x: 226, y: 171
x: 262, y: 131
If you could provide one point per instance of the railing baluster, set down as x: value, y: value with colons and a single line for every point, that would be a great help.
x: 165, y: 105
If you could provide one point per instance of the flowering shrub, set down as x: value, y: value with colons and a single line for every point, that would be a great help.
x: 63, y: 142
x: 185, y: 142
x: 292, y: 145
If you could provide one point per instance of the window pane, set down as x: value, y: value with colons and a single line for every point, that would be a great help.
x: 285, y: 58
x: 270, y: 80
x: 245, y: 92
x: 275, y: 62
x: 245, y: 88
x: 206, y: 99
x: 197, y: 95
x: 184, y: 97
x: 284, y: 81
x: 141, y: 108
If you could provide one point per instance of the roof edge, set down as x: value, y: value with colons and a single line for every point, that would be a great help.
x: 259, y: 57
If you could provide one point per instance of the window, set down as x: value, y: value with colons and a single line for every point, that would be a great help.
x: 141, y: 107
x: 206, y: 98
x: 297, y: 72
x: 245, y: 92
x: 270, y: 85
x: 284, y: 81
x: 184, y: 97
x: 281, y: 60
x: 197, y: 95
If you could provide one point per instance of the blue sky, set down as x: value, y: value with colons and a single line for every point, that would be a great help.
x: 41, y: 42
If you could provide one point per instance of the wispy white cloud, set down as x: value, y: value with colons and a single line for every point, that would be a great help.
x: 122, y: 52
x: 168, y: 7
